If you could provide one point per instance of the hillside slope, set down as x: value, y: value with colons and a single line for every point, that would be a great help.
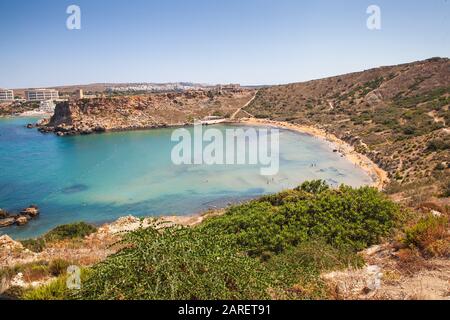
x: 398, y: 116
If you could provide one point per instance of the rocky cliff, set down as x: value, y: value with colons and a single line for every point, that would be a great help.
x: 86, y: 116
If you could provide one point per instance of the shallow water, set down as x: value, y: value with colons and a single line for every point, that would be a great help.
x: 98, y: 178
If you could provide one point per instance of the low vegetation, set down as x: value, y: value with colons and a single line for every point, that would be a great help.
x: 344, y: 218
x: 65, y: 232
x: 37, y: 270
x: 275, y: 247
x: 430, y: 236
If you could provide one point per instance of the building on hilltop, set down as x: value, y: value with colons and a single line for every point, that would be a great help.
x: 41, y: 94
x: 47, y: 106
x: 6, y: 95
x: 228, y: 88
x: 80, y: 94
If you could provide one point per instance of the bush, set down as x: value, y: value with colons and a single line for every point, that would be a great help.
x: 64, y: 232
x: 32, y: 271
x: 315, y: 186
x: 58, y: 267
x: 446, y: 192
x: 437, y: 145
x: 55, y: 290
x: 70, y: 231
x: 176, y: 263
x: 296, y: 273
x: 346, y: 217
x: 35, y: 245
x: 430, y: 236
x: 409, y: 130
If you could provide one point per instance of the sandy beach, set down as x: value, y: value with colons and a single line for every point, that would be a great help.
x: 378, y: 175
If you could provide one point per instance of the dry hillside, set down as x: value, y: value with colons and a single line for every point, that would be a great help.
x: 397, y: 115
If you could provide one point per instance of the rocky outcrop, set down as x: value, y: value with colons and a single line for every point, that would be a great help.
x: 87, y: 116
x: 17, y: 108
x: 31, y: 211
x: 6, y: 222
x: 27, y: 214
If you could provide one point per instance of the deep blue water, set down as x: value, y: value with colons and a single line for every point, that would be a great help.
x: 98, y: 178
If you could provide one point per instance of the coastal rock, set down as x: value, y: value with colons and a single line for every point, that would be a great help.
x: 8, y: 244
x: 99, y: 129
x: 7, y: 222
x: 22, y: 220
x: 32, y: 211
x: 352, y: 283
x: 13, y: 253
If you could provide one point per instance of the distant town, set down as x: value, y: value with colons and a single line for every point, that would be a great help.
x: 48, y: 97
x: 97, y: 90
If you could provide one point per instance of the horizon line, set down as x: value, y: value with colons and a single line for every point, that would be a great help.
x: 224, y: 83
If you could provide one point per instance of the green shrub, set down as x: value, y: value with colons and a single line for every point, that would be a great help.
x: 70, y: 231
x: 176, y: 263
x: 35, y: 245
x: 58, y: 267
x: 430, y: 236
x: 64, y: 232
x: 437, y: 145
x: 32, y: 271
x: 315, y: 186
x: 55, y: 290
x: 446, y: 192
x: 296, y: 273
x: 346, y: 217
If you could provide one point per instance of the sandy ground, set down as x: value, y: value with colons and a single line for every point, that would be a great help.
x: 384, y: 278
x: 379, y: 176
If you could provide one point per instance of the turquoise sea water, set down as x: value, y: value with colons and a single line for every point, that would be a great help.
x: 98, y: 178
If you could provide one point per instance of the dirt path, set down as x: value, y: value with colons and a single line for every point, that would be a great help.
x: 233, y: 116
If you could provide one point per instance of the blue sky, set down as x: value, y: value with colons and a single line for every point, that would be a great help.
x: 212, y: 41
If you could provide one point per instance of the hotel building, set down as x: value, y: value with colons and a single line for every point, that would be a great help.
x: 6, y: 95
x: 41, y: 94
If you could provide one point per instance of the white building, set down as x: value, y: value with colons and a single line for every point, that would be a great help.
x: 41, y: 94
x: 47, y: 106
x: 80, y: 94
x: 6, y: 95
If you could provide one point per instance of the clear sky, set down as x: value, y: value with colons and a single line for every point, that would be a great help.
x: 212, y: 41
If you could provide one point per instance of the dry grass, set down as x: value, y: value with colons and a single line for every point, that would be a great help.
x: 430, y: 236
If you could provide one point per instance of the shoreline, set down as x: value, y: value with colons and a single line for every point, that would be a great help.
x: 28, y: 114
x: 379, y: 176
